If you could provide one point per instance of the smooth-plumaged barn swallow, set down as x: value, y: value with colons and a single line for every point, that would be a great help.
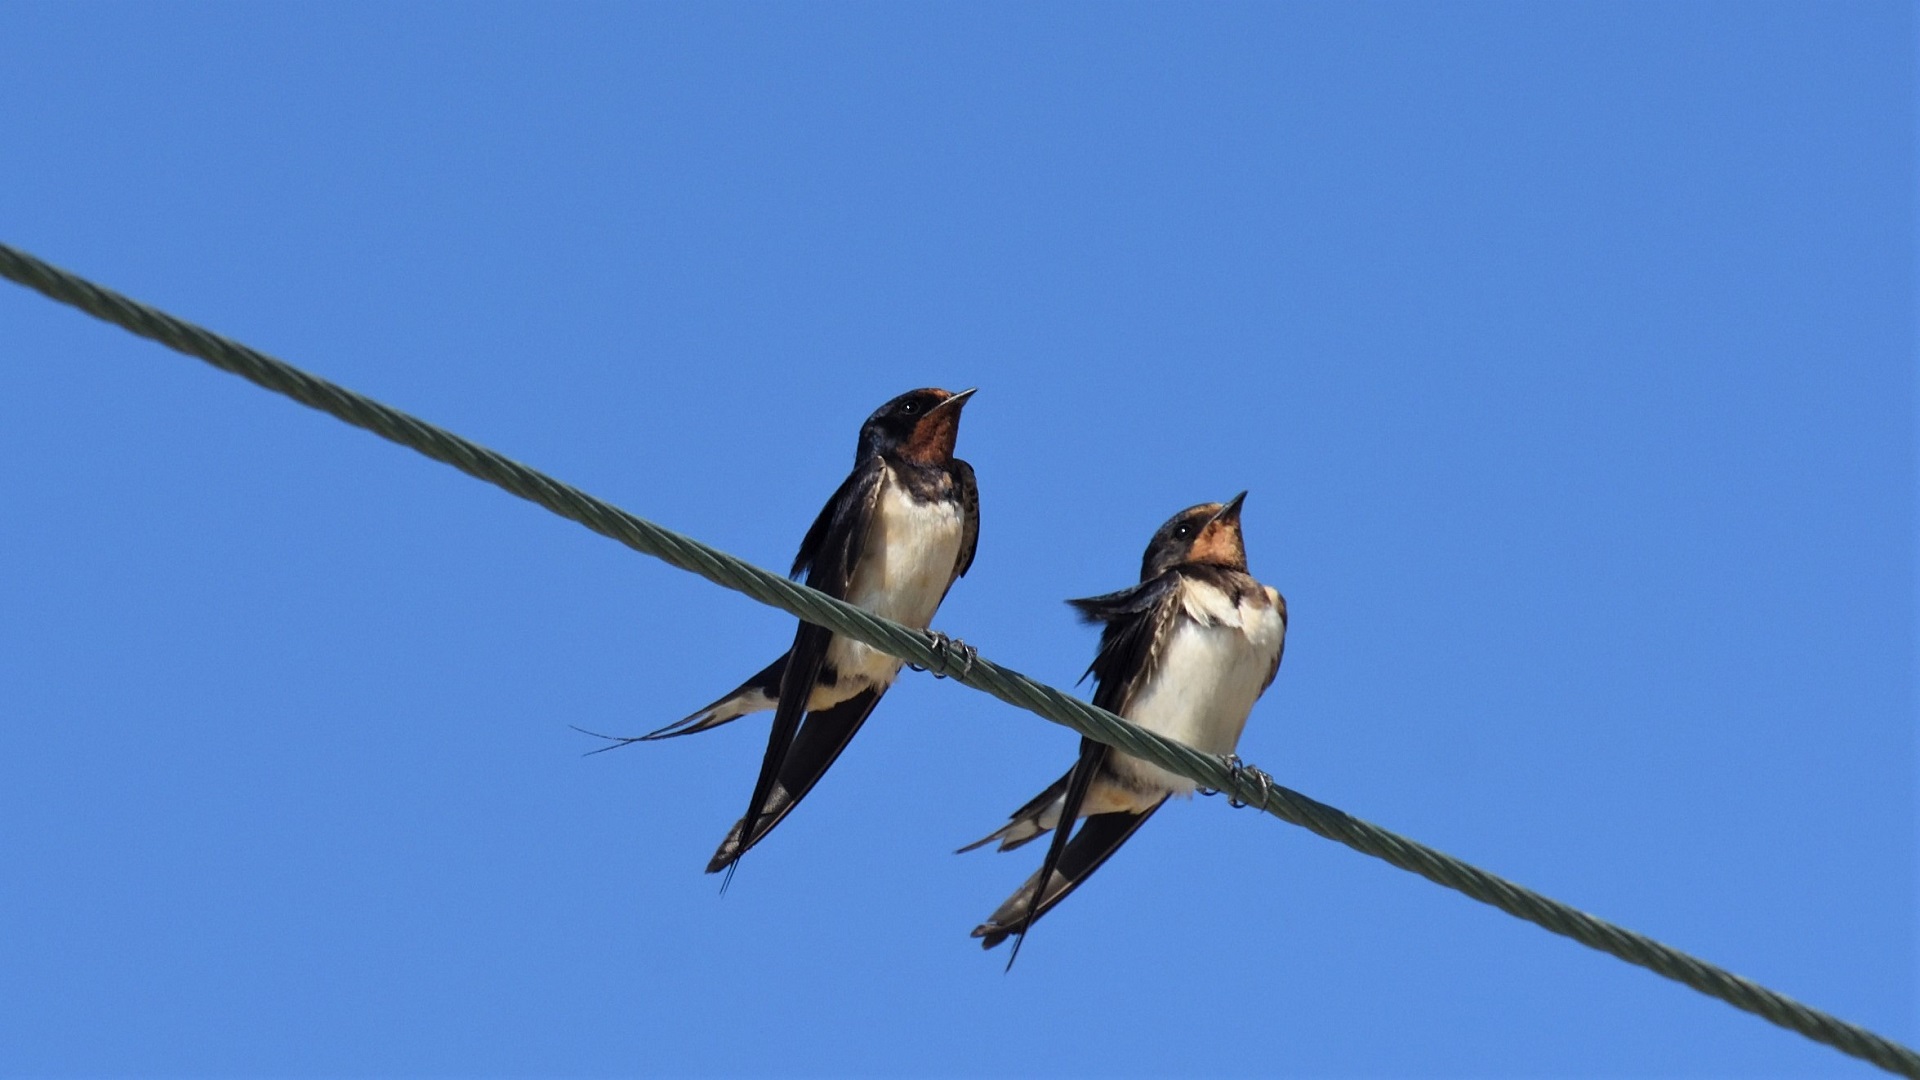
x: 891, y: 540
x: 1184, y: 654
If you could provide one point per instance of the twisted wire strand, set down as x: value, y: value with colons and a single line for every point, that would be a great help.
x: 1244, y: 784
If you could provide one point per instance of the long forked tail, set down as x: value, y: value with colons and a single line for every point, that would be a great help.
x: 757, y: 694
x: 822, y: 735
x: 1042, y: 812
x: 1099, y: 837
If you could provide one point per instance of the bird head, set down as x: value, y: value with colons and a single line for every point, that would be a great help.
x: 919, y: 425
x: 1207, y: 534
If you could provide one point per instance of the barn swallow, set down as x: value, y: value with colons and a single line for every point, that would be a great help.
x: 1184, y: 654
x: 893, y: 539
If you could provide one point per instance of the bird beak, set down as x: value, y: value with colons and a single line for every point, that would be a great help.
x: 955, y: 401
x: 1231, y: 512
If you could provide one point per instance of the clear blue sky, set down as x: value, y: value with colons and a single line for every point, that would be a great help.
x: 1566, y: 349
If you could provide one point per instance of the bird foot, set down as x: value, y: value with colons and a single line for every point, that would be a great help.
x: 946, y: 649
x: 1240, y: 770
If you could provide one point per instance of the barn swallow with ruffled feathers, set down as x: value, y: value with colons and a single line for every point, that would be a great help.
x: 892, y: 540
x: 1184, y: 654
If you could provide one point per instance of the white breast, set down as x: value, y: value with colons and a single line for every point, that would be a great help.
x: 902, y: 574
x: 1211, y: 671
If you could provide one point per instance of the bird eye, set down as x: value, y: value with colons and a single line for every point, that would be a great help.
x: 910, y: 408
x: 1183, y: 531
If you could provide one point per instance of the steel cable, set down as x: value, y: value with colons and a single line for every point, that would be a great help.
x: 1242, y: 783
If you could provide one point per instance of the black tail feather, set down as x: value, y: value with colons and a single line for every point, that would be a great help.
x: 1092, y: 756
x: 1097, y: 839
x: 821, y: 738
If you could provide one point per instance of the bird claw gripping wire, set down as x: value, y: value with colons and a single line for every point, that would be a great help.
x: 1240, y: 770
x: 945, y: 649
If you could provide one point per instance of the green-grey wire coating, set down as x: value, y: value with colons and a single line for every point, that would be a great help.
x: 1244, y: 784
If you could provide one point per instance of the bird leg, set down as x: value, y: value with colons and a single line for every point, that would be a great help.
x: 944, y: 650
x: 1240, y: 771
